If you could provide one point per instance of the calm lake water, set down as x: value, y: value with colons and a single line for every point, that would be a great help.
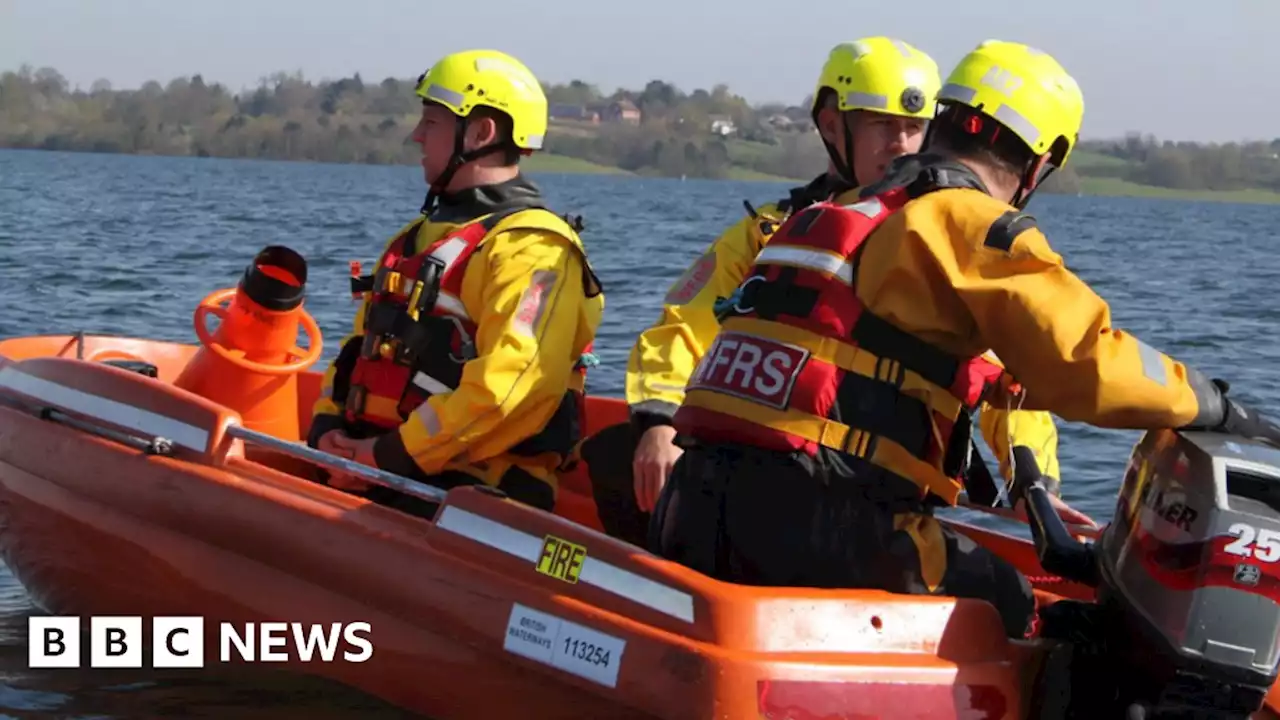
x: 129, y: 245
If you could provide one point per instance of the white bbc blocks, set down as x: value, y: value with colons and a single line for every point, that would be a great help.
x: 115, y: 642
x: 178, y: 642
x: 53, y: 642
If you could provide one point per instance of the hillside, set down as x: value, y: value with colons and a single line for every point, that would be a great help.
x: 659, y: 130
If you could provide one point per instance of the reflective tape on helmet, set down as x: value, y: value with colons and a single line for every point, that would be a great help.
x: 444, y: 95
x: 866, y: 100
x: 610, y: 578
x: 1014, y: 120
x: 958, y: 93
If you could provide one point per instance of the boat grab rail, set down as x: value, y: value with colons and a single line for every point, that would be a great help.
x: 160, y: 445
x: 330, y: 461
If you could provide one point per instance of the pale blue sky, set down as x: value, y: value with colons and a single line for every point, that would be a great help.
x: 1178, y: 69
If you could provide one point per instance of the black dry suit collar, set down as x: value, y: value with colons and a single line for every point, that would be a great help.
x: 820, y: 188
x: 922, y: 173
x: 460, y: 157
x: 467, y: 205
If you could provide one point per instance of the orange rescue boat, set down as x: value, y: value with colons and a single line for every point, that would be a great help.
x: 148, y: 478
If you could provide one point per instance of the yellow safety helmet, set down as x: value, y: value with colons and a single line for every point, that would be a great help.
x: 464, y: 80
x: 1023, y: 88
x: 882, y: 74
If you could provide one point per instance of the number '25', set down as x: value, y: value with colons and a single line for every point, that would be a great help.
x: 1251, y: 542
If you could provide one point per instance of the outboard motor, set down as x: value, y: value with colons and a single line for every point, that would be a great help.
x: 1187, y: 618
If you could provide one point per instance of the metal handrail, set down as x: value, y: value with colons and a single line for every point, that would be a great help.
x: 1081, y: 530
x: 334, y: 462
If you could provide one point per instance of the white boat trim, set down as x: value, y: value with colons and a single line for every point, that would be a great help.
x: 78, y: 402
x: 596, y: 572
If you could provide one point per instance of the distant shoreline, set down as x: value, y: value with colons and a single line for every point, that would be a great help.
x: 551, y: 163
x: 655, y: 131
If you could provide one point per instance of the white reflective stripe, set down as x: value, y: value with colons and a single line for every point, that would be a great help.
x: 445, y: 95
x: 430, y: 384
x: 870, y: 207
x: 429, y: 419
x: 865, y: 100
x: 94, y: 406
x: 823, y: 262
x: 596, y: 572
x: 1152, y: 363
x: 449, y: 253
x: 515, y: 74
x: 452, y: 305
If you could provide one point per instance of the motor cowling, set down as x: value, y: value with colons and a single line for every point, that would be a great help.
x: 1192, y: 559
x: 1187, y: 619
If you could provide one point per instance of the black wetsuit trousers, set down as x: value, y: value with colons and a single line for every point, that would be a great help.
x: 757, y: 517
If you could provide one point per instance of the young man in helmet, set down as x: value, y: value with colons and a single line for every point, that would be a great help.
x: 823, y: 472
x: 465, y: 365
x: 871, y: 105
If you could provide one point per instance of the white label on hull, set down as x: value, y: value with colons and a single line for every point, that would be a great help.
x: 563, y: 644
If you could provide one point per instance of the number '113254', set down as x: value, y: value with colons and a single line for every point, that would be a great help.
x: 585, y: 651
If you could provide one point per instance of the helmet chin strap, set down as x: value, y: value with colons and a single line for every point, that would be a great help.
x: 459, y: 158
x: 843, y: 166
x: 1023, y: 195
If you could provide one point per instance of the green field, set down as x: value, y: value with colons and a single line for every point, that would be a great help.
x: 1085, y: 163
x: 1115, y: 187
x: 548, y: 163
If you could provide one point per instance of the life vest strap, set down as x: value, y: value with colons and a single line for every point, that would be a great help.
x: 768, y: 299
x: 882, y: 338
x: 879, y: 407
x: 360, y: 284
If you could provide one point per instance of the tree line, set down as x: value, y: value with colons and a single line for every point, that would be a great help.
x: 704, y: 133
x: 1188, y: 166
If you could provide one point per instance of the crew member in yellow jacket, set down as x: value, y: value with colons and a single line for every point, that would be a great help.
x: 825, y: 421
x: 467, y: 361
x: 872, y: 103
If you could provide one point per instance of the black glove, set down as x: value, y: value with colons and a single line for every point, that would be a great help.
x: 1238, y: 419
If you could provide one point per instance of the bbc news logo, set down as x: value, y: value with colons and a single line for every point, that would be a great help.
x: 178, y: 642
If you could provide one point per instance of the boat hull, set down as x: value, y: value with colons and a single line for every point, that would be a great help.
x: 463, y: 624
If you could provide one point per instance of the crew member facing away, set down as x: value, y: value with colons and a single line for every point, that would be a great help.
x: 467, y: 362
x: 872, y: 103
x: 826, y: 417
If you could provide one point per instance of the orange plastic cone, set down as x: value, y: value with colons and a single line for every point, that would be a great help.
x: 251, y: 363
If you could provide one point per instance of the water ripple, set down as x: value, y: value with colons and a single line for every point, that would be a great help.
x: 116, y: 244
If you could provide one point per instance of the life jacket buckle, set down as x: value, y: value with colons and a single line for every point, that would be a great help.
x: 427, y: 291
x: 466, y: 344
x: 734, y: 302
